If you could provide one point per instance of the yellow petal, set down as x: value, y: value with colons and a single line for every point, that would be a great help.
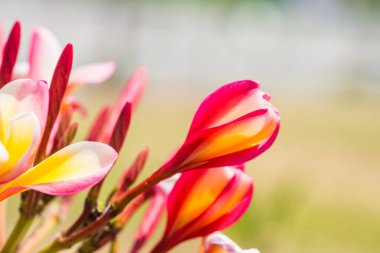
x: 202, y: 195
x: 68, y: 171
x: 21, y: 144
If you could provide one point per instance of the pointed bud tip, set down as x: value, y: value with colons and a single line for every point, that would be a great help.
x: 142, y: 70
x: 69, y: 49
x: 17, y: 25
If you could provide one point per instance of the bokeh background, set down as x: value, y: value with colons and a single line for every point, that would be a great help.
x: 317, y: 188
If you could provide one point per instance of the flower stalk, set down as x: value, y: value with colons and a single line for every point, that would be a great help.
x: 3, y: 224
x: 53, y: 217
x: 22, y: 226
x: 115, y: 225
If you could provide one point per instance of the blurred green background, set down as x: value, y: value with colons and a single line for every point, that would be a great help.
x: 317, y: 188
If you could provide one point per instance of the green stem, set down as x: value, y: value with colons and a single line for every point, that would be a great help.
x: 123, y: 200
x: 53, y: 247
x: 52, y: 219
x: 114, y: 246
x: 3, y: 225
x: 88, y: 206
x: 18, y: 233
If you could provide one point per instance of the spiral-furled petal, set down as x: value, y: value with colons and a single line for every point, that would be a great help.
x: 204, y: 201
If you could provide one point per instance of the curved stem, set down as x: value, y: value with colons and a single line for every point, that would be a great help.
x: 97, y: 241
x: 53, y: 247
x: 17, y: 234
x: 81, y: 219
x: 3, y: 214
x: 47, y: 225
x: 114, y: 246
x: 67, y: 242
x: 161, y: 248
x: 147, y: 184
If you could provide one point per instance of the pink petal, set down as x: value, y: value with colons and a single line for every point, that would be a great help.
x: 93, y: 73
x: 99, y: 123
x: 68, y: 171
x: 133, y: 90
x: 20, y: 70
x: 251, y: 130
x: 240, y: 141
x: 222, y: 242
x: 43, y: 54
x: 130, y: 95
x: 222, y: 101
x: 32, y: 95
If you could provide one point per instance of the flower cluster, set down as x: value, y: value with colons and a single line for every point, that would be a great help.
x: 203, y: 187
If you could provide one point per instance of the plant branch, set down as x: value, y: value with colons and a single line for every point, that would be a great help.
x: 17, y: 234
x: 3, y: 224
x: 55, y: 214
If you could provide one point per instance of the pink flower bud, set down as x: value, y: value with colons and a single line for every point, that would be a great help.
x: 204, y: 201
x: 233, y: 125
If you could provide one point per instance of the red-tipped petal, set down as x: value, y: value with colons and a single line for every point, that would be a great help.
x: 99, y: 123
x: 133, y: 90
x: 10, y: 52
x: 240, y: 141
x: 1, y: 41
x: 229, y: 102
x: 233, y: 125
x: 130, y: 95
x: 131, y: 174
x: 121, y: 128
x: 57, y: 90
x: 60, y: 80
x: 249, y: 131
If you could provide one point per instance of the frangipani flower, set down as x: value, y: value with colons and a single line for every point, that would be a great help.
x: 23, y: 113
x: 204, y: 201
x: 44, y: 53
x: 233, y: 125
x: 220, y: 243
